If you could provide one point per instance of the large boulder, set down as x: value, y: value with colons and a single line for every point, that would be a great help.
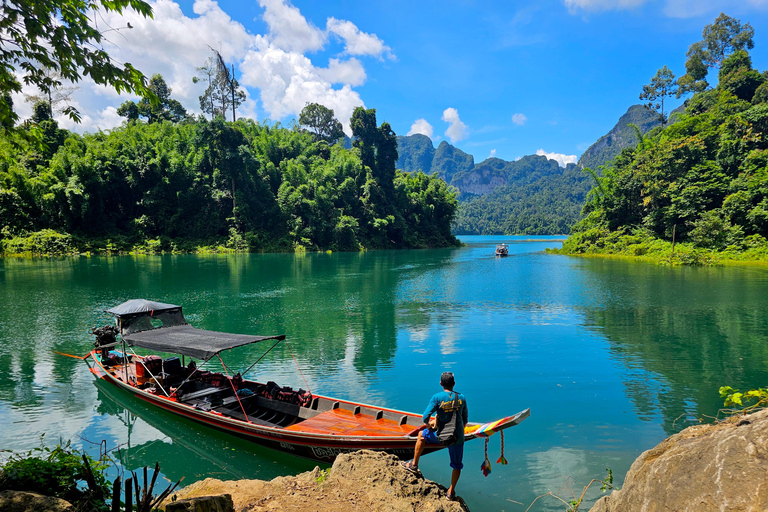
x: 221, y: 503
x: 21, y: 501
x: 364, y: 480
x: 717, y: 467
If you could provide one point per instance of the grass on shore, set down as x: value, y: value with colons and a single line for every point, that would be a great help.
x: 640, y: 245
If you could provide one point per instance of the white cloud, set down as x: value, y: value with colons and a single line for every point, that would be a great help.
x: 672, y: 8
x: 272, y: 67
x: 421, y: 126
x: 561, y: 159
x: 519, y: 119
x: 288, y: 29
x: 457, y: 130
x: 601, y: 5
x: 358, y: 42
x: 288, y: 81
x: 693, y: 8
x: 349, y: 72
x: 493, y: 153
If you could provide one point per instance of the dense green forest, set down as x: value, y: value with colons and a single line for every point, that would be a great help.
x: 175, y: 183
x: 539, y: 198
x: 700, y: 183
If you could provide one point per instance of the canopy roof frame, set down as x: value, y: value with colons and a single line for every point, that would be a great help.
x: 189, y: 341
x: 180, y: 339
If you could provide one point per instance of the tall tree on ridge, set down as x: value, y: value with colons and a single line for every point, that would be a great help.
x: 232, y: 94
x: 164, y: 109
x: 662, y: 85
x: 720, y: 39
x: 57, y: 95
x: 321, y: 122
x: 208, y: 70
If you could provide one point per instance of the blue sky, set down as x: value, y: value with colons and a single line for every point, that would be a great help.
x: 500, y: 78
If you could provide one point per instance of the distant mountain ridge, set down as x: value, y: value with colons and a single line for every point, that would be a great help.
x: 622, y: 135
x: 533, y: 195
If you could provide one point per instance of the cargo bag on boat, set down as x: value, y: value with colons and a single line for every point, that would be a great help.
x: 271, y: 390
x: 448, y: 435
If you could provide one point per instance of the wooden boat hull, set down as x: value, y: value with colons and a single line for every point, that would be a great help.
x: 319, y: 447
x: 352, y: 431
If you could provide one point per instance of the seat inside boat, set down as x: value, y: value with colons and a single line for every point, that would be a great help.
x: 272, y: 405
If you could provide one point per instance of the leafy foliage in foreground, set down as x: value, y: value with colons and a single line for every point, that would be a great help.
x: 59, y: 472
x: 205, y: 185
x: 47, y: 41
x: 747, y: 400
x: 701, y: 182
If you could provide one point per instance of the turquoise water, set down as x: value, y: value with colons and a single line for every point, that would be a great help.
x: 611, y: 356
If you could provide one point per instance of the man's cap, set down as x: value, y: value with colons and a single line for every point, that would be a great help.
x: 447, y: 379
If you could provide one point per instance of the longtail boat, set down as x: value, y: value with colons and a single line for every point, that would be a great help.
x: 294, y: 421
x: 502, y: 250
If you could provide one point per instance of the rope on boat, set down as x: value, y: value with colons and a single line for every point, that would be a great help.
x: 299, y: 368
x: 485, y: 467
x: 233, y: 388
x: 501, y: 460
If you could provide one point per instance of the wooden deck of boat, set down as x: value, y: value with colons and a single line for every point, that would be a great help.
x: 346, y: 423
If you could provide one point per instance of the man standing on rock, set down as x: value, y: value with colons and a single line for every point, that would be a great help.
x: 442, y: 403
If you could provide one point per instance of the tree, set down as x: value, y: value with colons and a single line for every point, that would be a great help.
x: 223, y: 91
x: 720, y: 39
x: 208, y: 70
x: 321, y: 122
x: 661, y: 86
x: 363, y: 123
x: 737, y: 76
x: 164, y: 108
x: 60, y: 36
x: 56, y: 96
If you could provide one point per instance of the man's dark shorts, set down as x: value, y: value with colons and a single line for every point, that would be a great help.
x: 456, y: 451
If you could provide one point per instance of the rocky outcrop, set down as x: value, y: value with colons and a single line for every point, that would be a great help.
x: 364, y: 480
x: 719, y: 467
x: 221, y: 503
x: 20, y: 501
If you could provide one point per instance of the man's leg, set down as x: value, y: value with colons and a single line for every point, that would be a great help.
x: 455, y: 474
x: 419, y: 449
x: 457, y: 455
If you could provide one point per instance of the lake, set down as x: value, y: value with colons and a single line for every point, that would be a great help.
x: 611, y: 356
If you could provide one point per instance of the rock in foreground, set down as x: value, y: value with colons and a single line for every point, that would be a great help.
x: 365, y: 480
x: 21, y: 501
x: 720, y: 467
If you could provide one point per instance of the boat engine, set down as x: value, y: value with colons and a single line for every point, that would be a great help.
x: 106, y: 338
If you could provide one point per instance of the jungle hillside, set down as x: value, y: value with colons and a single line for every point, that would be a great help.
x: 165, y: 181
x: 695, y: 191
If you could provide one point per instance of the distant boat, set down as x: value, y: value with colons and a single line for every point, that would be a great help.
x: 293, y: 421
x: 502, y: 250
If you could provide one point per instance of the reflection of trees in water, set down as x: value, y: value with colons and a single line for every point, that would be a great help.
x: 327, y: 304
x: 333, y: 307
x: 690, y: 332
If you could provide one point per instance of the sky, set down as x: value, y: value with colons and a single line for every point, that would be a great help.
x: 494, y: 78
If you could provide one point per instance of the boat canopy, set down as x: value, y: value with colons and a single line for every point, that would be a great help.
x: 162, y: 327
x: 140, y: 307
x: 188, y: 341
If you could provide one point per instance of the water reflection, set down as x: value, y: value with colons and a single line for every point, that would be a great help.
x: 610, y: 356
x: 196, y: 451
x: 681, y: 334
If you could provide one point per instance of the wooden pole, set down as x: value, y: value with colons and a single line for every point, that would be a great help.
x: 674, y: 228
